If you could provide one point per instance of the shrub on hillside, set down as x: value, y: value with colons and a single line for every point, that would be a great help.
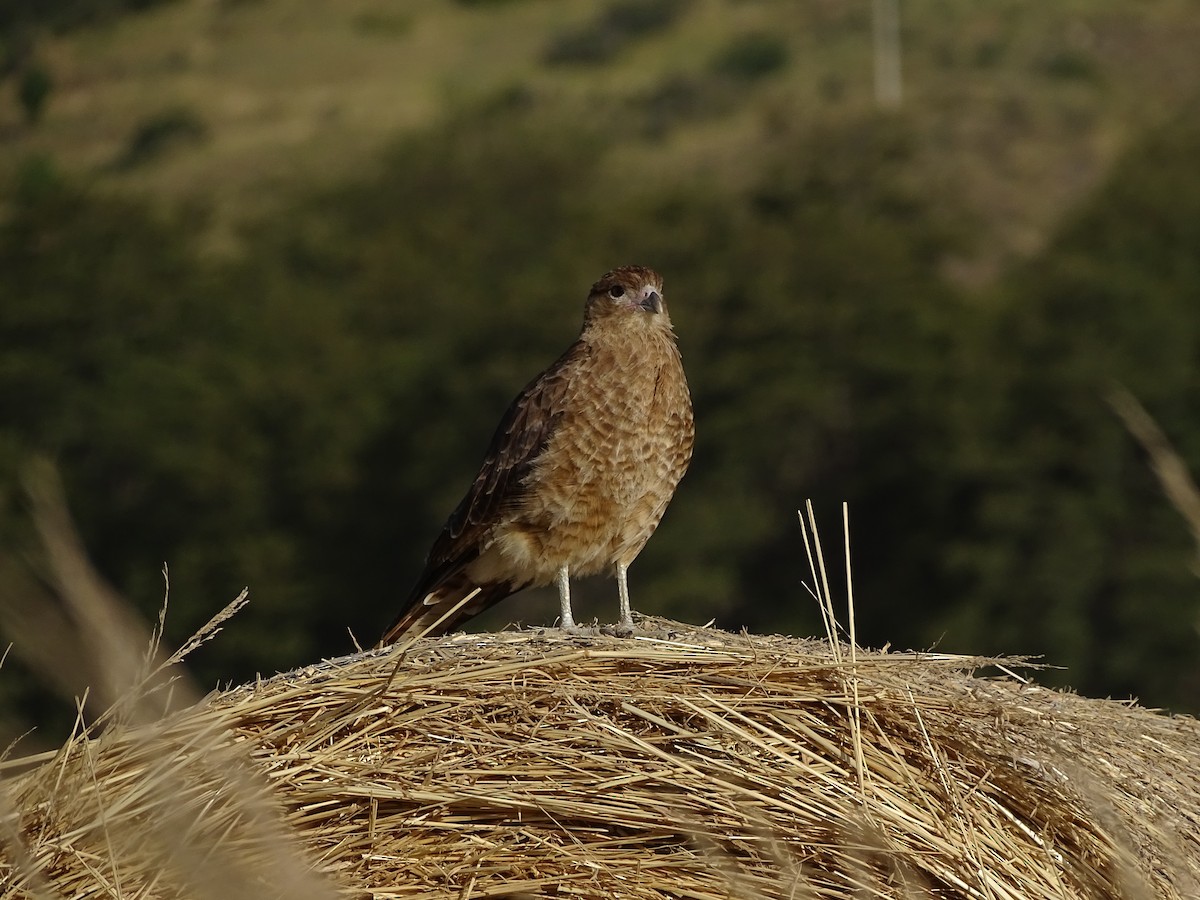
x: 620, y: 24
x: 33, y: 92
x: 159, y: 134
x: 750, y: 57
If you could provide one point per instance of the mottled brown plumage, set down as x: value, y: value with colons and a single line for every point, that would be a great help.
x: 579, y: 471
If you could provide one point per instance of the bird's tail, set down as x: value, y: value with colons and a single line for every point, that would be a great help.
x: 443, y: 608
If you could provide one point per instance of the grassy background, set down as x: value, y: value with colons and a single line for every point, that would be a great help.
x: 1019, y: 110
x: 272, y: 270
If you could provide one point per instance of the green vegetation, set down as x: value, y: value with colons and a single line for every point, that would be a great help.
x: 302, y: 419
x: 33, y: 91
x: 1073, y: 551
x: 65, y: 14
x: 295, y: 93
x: 620, y: 24
x: 298, y: 409
x: 751, y: 56
x: 680, y: 100
x: 157, y: 135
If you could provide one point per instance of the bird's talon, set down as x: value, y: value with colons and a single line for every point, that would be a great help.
x: 619, y: 629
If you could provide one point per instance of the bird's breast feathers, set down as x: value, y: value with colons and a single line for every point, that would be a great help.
x: 597, y: 491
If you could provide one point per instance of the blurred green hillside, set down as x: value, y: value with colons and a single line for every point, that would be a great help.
x: 1016, y: 110
x: 271, y: 272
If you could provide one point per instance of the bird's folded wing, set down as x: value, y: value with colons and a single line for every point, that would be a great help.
x: 498, y: 489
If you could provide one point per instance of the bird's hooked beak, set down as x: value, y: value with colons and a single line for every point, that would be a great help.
x: 651, y: 300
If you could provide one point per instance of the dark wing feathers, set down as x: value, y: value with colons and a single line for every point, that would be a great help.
x: 521, y: 436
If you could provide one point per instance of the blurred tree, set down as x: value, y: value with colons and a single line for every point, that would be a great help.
x: 16, y: 15
x: 157, y: 135
x: 302, y: 419
x: 1072, y: 550
x: 751, y: 56
x: 614, y: 28
x: 33, y: 91
x: 188, y: 406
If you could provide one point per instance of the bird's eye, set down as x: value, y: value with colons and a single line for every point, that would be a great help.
x: 616, y: 291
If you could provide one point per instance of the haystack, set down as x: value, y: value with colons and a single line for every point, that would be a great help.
x: 685, y: 762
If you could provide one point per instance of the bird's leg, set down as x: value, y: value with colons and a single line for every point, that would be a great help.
x: 566, y: 621
x: 625, y: 623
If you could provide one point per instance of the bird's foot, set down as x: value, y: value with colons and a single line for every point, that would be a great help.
x: 618, y: 629
x: 569, y: 627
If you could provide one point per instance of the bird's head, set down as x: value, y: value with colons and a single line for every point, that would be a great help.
x: 632, y: 294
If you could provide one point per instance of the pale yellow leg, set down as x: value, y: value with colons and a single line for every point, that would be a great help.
x: 625, y: 623
x: 566, y: 621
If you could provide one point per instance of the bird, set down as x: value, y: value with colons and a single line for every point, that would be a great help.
x: 579, y: 471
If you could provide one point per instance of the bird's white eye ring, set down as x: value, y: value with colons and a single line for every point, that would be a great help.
x: 616, y: 291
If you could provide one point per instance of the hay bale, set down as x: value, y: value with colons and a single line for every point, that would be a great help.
x: 684, y: 763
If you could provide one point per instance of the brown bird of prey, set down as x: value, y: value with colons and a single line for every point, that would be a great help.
x: 579, y: 471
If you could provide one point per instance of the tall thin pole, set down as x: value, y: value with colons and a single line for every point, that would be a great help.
x: 888, y: 85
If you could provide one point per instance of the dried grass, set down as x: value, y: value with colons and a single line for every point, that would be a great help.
x: 682, y: 763
x: 1166, y: 463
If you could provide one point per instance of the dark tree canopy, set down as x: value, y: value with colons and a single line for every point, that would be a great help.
x: 301, y: 420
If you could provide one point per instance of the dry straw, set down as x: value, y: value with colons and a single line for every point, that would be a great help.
x: 685, y: 762
x: 682, y: 763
